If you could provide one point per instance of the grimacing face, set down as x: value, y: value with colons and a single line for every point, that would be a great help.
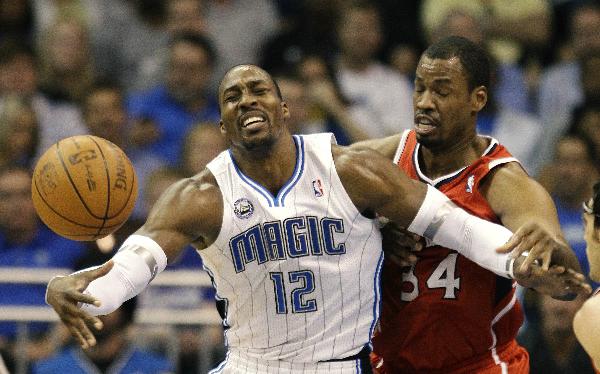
x: 444, y: 108
x: 252, y: 114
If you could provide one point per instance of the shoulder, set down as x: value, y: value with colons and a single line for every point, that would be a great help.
x: 386, y: 146
x: 192, y: 206
x: 508, y: 175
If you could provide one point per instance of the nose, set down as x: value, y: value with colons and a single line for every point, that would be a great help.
x: 247, y: 100
x: 423, y: 100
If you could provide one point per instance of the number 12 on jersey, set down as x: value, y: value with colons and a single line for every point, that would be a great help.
x: 306, y: 278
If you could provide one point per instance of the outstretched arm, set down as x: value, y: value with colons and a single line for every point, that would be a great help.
x: 374, y: 183
x: 525, y: 207
x: 189, y: 211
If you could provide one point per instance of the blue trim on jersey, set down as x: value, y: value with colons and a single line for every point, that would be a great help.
x: 358, y: 369
x: 298, y: 170
x: 249, y: 181
x: 377, y: 289
x: 287, y: 187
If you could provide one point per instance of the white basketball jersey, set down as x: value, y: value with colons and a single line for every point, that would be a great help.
x: 298, y: 272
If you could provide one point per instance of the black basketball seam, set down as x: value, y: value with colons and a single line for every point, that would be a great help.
x: 62, y: 161
x: 57, y: 213
x: 107, y: 181
x: 130, y: 192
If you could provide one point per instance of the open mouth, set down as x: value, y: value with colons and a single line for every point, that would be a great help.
x: 424, y: 124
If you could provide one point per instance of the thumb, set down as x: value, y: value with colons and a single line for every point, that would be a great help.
x: 99, y: 271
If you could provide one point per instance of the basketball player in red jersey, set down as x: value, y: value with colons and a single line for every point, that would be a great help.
x: 585, y: 323
x: 445, y: 314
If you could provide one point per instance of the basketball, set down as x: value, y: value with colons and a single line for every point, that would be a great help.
x: 84, y: 187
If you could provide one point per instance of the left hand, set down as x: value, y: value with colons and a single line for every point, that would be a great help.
x: 538, y: 241
x: 557, y: 281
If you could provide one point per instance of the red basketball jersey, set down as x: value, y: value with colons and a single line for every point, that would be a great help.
x: 446, y: 312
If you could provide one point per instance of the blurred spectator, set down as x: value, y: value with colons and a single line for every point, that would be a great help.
x: 307, y: 28
x: 26, y: 243
x: 404, y: 58
x: 19, y: 77
x: 185, y: 16
x: 19, y: 135
x: 561, y: 86
x: 163, y: 115
x: 511, y: 25
x: 380, y: 98
x: 518, y: 131
x: 316, y: 106
x: 16, y: 20
x: 569, y: 180
x: 586, y: 124
x: 113, y: 353
x: 510, y: 87
x: 203, y: 143
x: 105, y: 116
x: 67, y: 69
x: 239, y: 28
x: 552, y: 346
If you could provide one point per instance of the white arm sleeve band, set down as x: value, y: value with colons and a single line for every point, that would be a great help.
x: 136, y: 263
x: 444, y: 223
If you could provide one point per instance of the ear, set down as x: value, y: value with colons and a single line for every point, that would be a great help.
x: 285, y: 110
x: 479, y: 97
x: 222, y: 127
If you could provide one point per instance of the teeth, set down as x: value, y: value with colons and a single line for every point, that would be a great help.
x: 248, y: 121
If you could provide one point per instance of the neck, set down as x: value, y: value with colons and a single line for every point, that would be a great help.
x: 440, y: 161
x: 272, y: 166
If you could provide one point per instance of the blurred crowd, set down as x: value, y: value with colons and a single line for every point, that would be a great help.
x: 144, y: 74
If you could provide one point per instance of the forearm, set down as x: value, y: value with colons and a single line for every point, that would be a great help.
x: 138, y: 261
x: 447, y: 225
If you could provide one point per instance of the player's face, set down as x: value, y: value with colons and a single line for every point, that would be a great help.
x: 445, y: 109
x: 252, y: 114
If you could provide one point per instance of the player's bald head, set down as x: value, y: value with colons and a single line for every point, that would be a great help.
x: 236, y: 72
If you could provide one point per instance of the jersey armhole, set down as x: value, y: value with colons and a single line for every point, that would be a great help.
x: 401, y: 146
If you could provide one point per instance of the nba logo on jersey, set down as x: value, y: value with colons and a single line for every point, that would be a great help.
x: 317, y: 187
x: 470, y: 183
x: 243, y: 208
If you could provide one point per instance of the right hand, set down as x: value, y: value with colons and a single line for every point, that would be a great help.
x: 65, y: 292
x: 400, y: 245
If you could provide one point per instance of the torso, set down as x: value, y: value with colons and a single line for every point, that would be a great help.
x: 297, y: 274
x: 446, y: 311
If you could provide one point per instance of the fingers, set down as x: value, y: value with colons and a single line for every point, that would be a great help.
x: 99, y: 271
x: 80, y: 297
x: 514, y: 241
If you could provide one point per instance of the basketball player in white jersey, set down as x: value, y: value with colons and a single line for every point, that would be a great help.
x: 285, y: 226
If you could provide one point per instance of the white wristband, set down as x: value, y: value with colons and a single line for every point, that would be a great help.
x: 136, y: 263
x: 448, y: 225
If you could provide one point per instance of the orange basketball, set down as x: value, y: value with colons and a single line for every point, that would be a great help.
x: 84, y: 187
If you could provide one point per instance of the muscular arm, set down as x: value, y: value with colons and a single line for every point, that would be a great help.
x: 190, y: 211
x: 386, y: 146
x: 518, y: 201
x: 375, y: 184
